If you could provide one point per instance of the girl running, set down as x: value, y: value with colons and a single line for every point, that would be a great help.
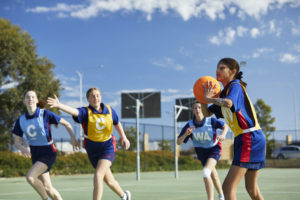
x: 207, y: 145
x: 236, y: 108
x: 97, y: 121
x: 35, y: 124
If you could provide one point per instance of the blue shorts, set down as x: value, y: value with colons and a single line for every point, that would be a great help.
x: 249, y: 150
x: 44, y: 154
x: 203, y: 154
x: 101, y: 150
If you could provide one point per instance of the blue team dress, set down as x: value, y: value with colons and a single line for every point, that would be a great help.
x: 204, y: 138
x: 98, y: 127
x: 36, y: 129
x: 249, y: 140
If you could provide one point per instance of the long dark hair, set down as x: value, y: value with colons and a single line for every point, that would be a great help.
x: 41, y: 103
x: 233, y: 64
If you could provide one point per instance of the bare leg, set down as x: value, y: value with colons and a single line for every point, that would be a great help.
x: 210, y: 164
x: 101, y: 169
x: 51, y: 191
x: 32, y: 178
x: 216, y: 180
x: 113, y: 183
x: 232, y: 181
x: 251, y: 185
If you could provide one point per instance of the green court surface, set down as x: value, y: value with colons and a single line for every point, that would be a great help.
x: 275, y: 184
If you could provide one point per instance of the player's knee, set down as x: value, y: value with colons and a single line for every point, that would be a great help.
x: 30, y: 179
x: 48, y: 189
x: 206, y: 172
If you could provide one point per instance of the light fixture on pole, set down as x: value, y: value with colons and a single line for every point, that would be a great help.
x: 80, y: 96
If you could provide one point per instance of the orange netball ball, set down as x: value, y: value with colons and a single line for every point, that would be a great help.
x: 199, y: 90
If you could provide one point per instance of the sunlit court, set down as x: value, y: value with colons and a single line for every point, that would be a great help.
x: 275, y: 184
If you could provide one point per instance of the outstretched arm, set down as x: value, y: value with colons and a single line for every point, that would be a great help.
x: 124, y: 141
x: 17, y: 143
x: 69, y: 128
x: 54, y: 103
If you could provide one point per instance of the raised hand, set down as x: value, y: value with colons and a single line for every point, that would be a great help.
x: 53, y: 102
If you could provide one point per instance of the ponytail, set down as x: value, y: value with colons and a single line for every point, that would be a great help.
x: 41, y: 104
x: 239, y: 76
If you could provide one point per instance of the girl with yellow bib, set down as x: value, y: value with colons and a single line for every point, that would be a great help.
x: 97, y: 122
x: 238, y: 112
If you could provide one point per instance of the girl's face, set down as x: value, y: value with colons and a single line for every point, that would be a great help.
x: 197, y: 109
x: 30, y: 99
x: 94, y: 98
x: 224, y: 73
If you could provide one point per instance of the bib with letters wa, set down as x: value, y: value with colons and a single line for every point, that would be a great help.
x: 203, y: 136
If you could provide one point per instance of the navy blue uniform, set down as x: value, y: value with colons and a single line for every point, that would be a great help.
x: 36, y: 129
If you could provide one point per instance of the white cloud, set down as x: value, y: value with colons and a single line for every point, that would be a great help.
x: 273, y: 28
x: 170, y: 63
x: 254, y: 32
x: 186, y: 9
x: 226, y: 37
x: 241, y: 31
x: 183, y: 51
x: 289, y: 58
x: 8, y: 86
x: 258, y: 52
x: 232, y: 10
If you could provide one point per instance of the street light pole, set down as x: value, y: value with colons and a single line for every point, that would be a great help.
x: 80, y: 96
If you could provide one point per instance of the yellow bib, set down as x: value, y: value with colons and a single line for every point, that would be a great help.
x: 232, y: 120
x: 100, y: 126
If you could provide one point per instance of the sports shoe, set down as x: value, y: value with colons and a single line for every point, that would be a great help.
x: 221, y: 197
x: 128, y: 194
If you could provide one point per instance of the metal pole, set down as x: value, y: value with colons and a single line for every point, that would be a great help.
x: 138, y: 104
x: 175, y: 142
x: 80, y: 96
x: 296, y: 127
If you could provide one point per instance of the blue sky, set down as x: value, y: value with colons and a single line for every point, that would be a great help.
x: 166, y: 45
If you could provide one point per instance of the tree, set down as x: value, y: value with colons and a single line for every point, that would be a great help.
x: 265, y: 121
x: 21, y: 68
x: 131, y: 136
x: 165, y: 145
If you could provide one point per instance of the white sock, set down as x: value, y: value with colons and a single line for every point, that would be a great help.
x: 124, y: 196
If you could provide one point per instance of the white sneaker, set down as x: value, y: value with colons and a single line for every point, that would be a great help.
x: 221, y: 197
x: 128, y: 194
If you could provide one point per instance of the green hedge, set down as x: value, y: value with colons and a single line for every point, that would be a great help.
x: 15, y: 165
